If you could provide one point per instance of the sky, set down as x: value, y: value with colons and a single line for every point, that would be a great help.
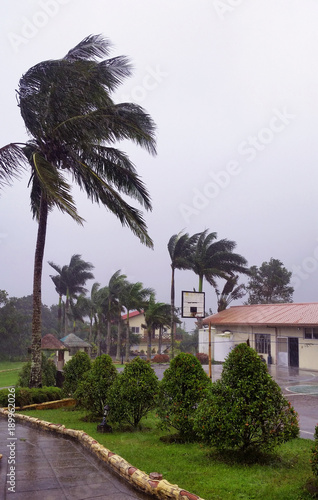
x: 232, y: 88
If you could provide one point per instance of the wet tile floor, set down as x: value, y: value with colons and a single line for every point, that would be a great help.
x: 50, y: 467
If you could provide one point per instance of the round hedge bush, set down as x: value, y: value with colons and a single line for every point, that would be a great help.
x: 246, y: 408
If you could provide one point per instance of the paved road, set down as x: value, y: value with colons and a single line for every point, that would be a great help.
x: 50, y: 467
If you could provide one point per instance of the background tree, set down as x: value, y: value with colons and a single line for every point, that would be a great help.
x: 269, y: 284
x: 134, y: 297
x: 180, y: 248
x: 72, y: 122
x: 70, y: 282
x: 231, y: 291
x: 213, y: 259
x: 157, y: 314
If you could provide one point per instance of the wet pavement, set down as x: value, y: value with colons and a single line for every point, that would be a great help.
x: 49, y: 467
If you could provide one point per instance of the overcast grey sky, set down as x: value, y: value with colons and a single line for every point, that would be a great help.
x: 232, y: 86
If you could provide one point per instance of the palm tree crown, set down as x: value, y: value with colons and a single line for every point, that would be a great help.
x: 213, y: 259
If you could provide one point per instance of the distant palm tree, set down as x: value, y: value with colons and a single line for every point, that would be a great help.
x: 70, y: 281
x: 231, y: 291
x: 113, y: 304
x: 133, y: 297
x: 73, y: 124
x: 180, y: 248
x: 213, y: 259
x: 157, y: 315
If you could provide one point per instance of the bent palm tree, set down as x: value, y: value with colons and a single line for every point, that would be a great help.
x: 134, y: 297
x: 231, y: 291
x: 70, y: 281
x: 213, y: 259
x: 73, y: 123
x: 157, y: 315
x: 180, y: 248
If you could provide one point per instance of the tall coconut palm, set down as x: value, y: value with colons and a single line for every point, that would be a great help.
x: 180, y: 248
x: 157, y: 314
x: 70, y: 281
x: 73, y: 123
x: 213, y: 259
x: 133, y: 297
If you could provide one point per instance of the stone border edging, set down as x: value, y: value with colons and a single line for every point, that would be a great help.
x: 159, y: 488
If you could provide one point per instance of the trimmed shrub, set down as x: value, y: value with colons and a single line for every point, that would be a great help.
x: 203, y: 358
x: 161, y: 358
x: 92, y: 390
x: 48, y: 373
x: 314, y: 456
x: 133, y: 393
x: 183, y: 386
x: 246, y: 408
x: 74, y: 371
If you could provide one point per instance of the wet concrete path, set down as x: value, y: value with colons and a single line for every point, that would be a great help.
x: 50, y: 467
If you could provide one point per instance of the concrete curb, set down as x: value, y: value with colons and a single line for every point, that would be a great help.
x: 158, y: 488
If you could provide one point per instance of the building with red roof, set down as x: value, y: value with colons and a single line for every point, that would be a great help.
x: 284, y: 334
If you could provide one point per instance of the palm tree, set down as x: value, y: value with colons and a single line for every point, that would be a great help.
x: 113, y: 303
x: 70, y: 281
x: 157, y: 314
x: 73, y: 122
x: 180, y: 248
x: 231, y: 291
x: 133, y: 297
x: 213, y: 259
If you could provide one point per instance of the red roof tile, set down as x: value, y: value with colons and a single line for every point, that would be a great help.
x: 267, y: 314
x: 132, y: 314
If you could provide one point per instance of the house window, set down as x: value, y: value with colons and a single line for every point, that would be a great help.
x: 263, y: 343
x: 311, y: 333
x: 135, y: 329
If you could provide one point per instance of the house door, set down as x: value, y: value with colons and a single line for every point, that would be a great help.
x: 293, y: 352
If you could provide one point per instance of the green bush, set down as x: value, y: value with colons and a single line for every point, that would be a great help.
x: 314, y: 456
x: 133, y: 393
x: 73, y: 372
x: 24, y: 396
x: 92, y: 390
x: 183, y: 386
x: 246, y: 408
x: 48, y: 373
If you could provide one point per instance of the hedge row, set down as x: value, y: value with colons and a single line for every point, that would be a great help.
x: 25, y: 396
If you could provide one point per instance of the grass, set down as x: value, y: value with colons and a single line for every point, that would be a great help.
x: 281, y: 475
x: 9, y: 371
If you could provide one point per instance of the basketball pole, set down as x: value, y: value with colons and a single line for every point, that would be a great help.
x: 210, y: 357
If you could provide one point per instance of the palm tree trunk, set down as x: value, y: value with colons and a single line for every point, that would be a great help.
x: 59, y: 315
x: 36, y: 357
x: 172, y: 313
x: 118, y: 339
x: 160, y: 339
x: 108, y: 336
x: 127, y: 338
x: 67, y: 307
x: 149, y: 332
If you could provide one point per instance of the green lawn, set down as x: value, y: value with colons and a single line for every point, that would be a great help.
x: 9, y: 371
x: 282, y: 476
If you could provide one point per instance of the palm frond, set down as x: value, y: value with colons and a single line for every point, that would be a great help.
x: 91, y: 47
x: 12, y: 162
x: 56, y: 189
